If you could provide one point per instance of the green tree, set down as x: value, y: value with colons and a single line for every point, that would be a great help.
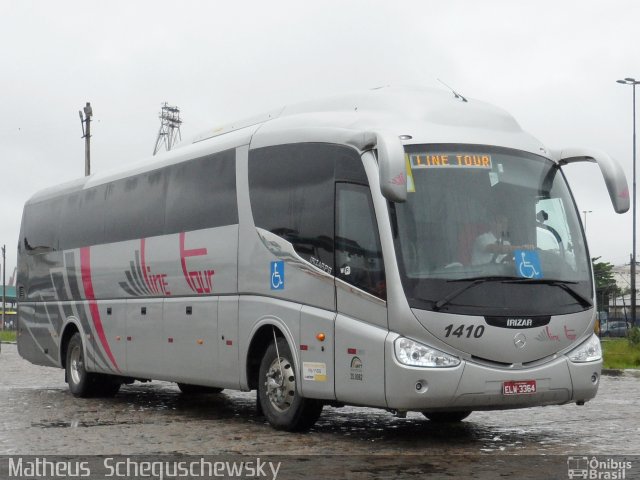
x: 605, y: 283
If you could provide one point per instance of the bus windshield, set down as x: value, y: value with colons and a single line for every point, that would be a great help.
x: 489, y: 231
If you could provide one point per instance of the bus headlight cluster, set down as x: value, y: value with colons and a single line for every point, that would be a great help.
x: 588, y: 351
x: 415, y: 354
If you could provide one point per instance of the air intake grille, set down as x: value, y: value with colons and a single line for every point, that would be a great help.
x: 491, y: 362
x: 21, y: 294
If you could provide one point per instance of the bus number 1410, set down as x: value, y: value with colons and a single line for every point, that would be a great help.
x: 476, y: 331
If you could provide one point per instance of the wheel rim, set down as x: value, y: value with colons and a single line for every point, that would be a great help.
x: 77, y: 365
x: 281, y: 384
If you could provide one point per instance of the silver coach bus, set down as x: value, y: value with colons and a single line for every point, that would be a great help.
x: 396, y: 248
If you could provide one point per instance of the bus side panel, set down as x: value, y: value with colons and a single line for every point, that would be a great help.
x: 113, y: 314
x: 145, y: 338
x: 201, y: 262
x: 271, y: 268
x: 228, y: 360
x: 195, y: 263
x: 317, y: 356
x: 34, y: 338
x: 360, y: 362
x: 40, y: 314
x: 190, y: 266
x: 190, y: 340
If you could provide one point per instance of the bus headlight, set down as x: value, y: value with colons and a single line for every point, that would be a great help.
x: 588, y: 351
x: 415, y: 354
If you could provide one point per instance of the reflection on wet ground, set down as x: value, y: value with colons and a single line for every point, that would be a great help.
x: 39, y: 415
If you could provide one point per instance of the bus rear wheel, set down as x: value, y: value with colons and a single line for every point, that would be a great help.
x: 279, y: 400
x: 447, y: 417
x: 82, y: 383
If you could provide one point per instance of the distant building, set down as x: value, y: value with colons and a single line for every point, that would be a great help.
x: 622, y: 276
x: 10, y: 299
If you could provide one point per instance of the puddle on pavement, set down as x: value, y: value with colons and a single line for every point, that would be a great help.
x: 162, y: 404
x: 79, y: 424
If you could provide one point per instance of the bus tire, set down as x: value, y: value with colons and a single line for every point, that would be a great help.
x: 279, y: 400
x: 447, y: 417
x: 81, y: 383
x: 188, y: 389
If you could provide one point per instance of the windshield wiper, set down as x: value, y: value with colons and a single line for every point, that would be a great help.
x: 563, y: 284
x: 486, y: 278
x: 474, y: 281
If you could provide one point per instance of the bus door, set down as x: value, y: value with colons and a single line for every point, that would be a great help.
x: 361, y: 323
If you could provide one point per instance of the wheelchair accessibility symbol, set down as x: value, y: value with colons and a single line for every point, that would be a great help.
x: 277, y: 275
x: 528, y: 264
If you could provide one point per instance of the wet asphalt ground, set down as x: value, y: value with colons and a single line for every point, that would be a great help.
x: 38, y: 416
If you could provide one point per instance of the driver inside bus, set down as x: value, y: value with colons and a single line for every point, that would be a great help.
x: 494, y: 246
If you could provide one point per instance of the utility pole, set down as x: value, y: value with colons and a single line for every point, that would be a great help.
x: 169, y: 127
x: 86, y: 134
x: 4, y: 270
x: 633, y: 82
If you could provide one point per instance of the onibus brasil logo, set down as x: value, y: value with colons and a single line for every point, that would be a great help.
x: 594, y: 468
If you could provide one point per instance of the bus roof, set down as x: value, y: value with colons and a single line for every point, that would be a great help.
x: 420, y: 115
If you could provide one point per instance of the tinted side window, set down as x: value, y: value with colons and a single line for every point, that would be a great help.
x: 135, y: 207
x: 202, y: 193
x: 41, y: 226
x: 358, y: 251
x: 292, y: 195
x: 82, y: 219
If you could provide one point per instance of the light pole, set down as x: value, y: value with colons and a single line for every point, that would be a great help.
x: 633, y: 82
x: 4, y: 287
x: 86, y: 134
x: 585, y: 219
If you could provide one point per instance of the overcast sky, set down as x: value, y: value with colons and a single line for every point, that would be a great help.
x: 551, y: 64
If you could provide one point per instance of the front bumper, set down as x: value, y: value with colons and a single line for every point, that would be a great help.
x: 472, y: 386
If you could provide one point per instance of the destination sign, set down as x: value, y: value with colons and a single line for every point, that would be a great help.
x: 450, y: 160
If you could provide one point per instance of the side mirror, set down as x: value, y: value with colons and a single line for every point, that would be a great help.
x: 614, y: 177
x: 391, y: 163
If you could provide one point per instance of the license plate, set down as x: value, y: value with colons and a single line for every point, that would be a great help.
x: 524, y: 387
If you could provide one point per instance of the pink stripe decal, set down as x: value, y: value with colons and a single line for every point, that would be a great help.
x: 144, y: 267
x: 85, y: 266
x: 184, y: 254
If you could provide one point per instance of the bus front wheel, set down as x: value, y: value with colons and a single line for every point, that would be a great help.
x: 279, y: 400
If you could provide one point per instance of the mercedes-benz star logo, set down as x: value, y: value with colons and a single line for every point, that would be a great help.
x: 520, y: 340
